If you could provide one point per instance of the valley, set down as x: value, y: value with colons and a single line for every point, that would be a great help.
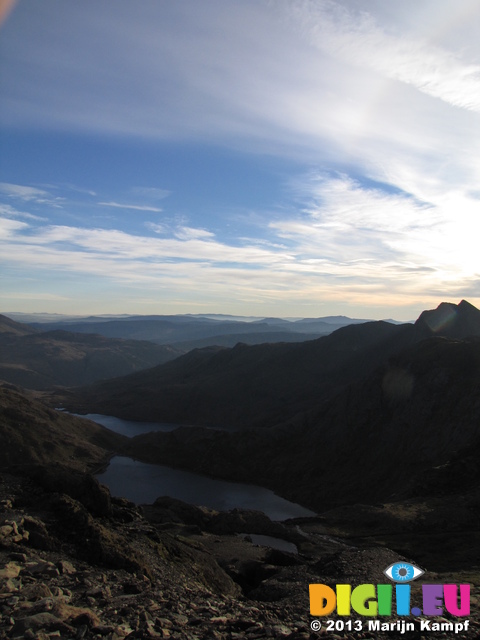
x: 372, y: 429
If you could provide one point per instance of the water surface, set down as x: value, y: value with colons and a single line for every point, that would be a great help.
x: 143, y: 483
x: 128, y: 428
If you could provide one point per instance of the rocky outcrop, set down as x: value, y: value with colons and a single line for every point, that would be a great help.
x: 457, y: 321
x: 66, y: 573
x: 166, y: 510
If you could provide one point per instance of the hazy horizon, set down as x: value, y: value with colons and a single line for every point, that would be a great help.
x: 202, y: 315
x: 298, y: 158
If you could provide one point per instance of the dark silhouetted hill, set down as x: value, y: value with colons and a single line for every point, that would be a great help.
x: 450, y: 320
x: 374, y: 441
x: 231, y: 340
x: 262, y: 385
x: 246, y: 385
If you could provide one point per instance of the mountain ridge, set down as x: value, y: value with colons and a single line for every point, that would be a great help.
x: 243, y: 384
x: 267, y: 383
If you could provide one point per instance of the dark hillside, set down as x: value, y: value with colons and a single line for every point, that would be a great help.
x: 415, y: 412
x: 14, y: 328
x: 230, y: 340
x: 262, y: 385
x: 31, y: 434
x: 370, y: 443
x: 247, y: 385
x: 59, y: 358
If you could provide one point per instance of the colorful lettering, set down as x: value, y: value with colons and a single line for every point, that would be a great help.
x: 451, y: 599
x: 368, y: 600
x: 322, y: 600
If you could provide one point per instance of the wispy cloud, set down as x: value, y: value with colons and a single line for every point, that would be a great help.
x: 187, y: 233
x: 346, y: 241
x: 48, y: 297
x: 349, y: 229
x: 8, y: 211
x: 355, y: 36
x: 157, y: 228
x: 27, y: 193
x: 135, y: 207
x: 8, y: 228
x: 303, y: 79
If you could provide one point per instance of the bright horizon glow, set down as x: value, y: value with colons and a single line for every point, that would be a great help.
x: 296, y: 158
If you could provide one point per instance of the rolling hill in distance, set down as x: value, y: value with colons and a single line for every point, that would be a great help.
x: 245, y: 385
x: 40, y: 351
x: 352, y: 401
x: 192, y: 331
x: 262, y: 385
x: 41, y: 360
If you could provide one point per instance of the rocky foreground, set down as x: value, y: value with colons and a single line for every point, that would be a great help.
x: 76, y: 563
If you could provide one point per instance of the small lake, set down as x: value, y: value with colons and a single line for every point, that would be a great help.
x: 131, y: 428
x: 128, y: 427
x: 143, y: 483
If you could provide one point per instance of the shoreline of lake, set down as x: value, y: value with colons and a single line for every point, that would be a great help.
x: 143, y: 482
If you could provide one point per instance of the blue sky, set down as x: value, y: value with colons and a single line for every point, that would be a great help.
x: 255, y: 157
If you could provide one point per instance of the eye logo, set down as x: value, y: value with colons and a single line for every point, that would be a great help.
x: 403, y: 572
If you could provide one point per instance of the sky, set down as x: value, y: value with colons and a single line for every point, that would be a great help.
x: 256, y: 157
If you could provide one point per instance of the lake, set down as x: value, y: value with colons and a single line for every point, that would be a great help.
x: 144, y: 483
x: 128, y: 427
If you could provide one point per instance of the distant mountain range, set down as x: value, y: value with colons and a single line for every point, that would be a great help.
x: 193, y: 331
x: 262, y: 385
x: 363, y: 396
x: 245, y: 385
x: 72, y: 351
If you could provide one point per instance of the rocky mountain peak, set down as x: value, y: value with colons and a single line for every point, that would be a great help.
x: 455, y: 321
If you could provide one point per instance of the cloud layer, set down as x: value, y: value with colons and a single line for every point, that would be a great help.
x: 340, y: 246
x: 374, y: 107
